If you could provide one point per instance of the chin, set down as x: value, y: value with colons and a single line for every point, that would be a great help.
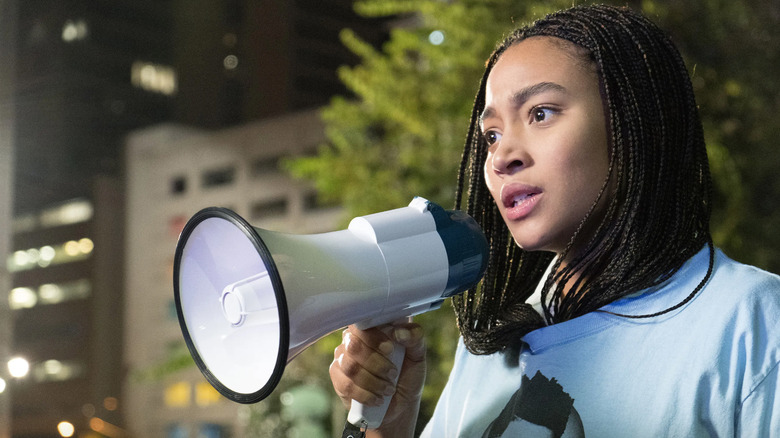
x: 535, y: 245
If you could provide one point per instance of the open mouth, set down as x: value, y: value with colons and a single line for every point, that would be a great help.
x: 520, y: 199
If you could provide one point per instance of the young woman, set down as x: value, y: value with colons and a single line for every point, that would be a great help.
x: 606, y: 310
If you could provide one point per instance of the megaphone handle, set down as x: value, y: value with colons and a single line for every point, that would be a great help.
x: 371, y: 417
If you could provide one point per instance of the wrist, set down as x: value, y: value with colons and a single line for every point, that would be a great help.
x: 402, y: 425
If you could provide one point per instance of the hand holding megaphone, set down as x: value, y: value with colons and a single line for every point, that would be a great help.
x: 249, y: 300
x: 376, y: 365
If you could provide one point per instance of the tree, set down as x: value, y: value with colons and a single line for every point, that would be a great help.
x: 401, y: 133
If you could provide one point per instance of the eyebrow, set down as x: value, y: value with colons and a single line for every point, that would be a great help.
x: 523, y: 95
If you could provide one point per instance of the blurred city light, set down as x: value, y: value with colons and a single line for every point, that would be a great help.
x: 2, y: 385
x: 66, y: 429
x: 153, y: 77
x: 71, y: 251
x: 436, y: 37
x: 72, y: 212
x: 18, y: 367
x: 230, y: 62
x: 74, y: 30
x: 22, y: 298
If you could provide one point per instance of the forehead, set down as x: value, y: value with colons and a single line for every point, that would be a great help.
x: 542, y: 59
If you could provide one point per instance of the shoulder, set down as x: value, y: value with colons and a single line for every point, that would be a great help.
x: 747, y: 285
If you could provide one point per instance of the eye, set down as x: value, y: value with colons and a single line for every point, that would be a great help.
x: 541, y: 114
x: 491, y: 137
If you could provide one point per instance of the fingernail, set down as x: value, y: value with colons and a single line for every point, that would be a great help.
x: 402, y: 334
x: 386, y: 347
x: 392, y: 374
x: 389, y: 390
x: 377, y: 401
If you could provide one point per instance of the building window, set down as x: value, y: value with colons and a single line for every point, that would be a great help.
x: 209, y: 430
x: 70, y: 251
x: 177, y: 430
x: 264, y: 166
x: 178, y: 395
x: 54, y: 370
x: 178, y: 185
x: 312, y: 202
x: 219, y: 177
x: 72, y: 212
x: 49, y: 293
x: 269, y: 209
x: 74, y: 30
x: 154, y: 78
x: 22, y: 298
x: 52, y: 293
x: 206, y: 395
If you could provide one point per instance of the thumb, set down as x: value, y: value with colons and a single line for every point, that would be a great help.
x: 411, y: 337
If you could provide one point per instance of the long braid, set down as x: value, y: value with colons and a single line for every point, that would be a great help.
x: 657, y: 214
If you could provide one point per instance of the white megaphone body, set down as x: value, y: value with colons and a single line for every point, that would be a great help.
x: 249, y: 300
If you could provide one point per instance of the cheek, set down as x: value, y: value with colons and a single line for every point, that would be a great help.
x: 587, y: 160
x: 489, y: 177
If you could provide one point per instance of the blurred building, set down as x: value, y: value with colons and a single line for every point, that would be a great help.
x: 7, y: 126
x: 67, y: 313
x: 87, y: 73
x: 173, y: 172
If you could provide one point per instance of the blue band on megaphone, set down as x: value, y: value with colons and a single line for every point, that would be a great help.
x: 466, y: 246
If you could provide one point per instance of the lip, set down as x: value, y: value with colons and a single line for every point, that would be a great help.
x: 519, y: 200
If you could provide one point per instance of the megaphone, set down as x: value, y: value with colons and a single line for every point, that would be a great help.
x: 249, y: 300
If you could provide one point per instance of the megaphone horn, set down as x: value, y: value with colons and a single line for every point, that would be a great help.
x: 249, y: 300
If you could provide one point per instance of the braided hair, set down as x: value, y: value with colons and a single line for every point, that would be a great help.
x: 657, y: 209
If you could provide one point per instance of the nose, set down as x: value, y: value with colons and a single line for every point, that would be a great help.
x: 509, y: 156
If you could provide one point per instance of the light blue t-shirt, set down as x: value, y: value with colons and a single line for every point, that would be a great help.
x: 709, y: 368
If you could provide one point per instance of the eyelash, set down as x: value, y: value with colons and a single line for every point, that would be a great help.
x: 543, y: 109
x: 532, y: 113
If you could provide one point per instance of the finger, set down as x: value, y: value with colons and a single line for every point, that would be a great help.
x: 371, y: 349
x: 410, y: 336
x: 353, y: 382
x: 373, y: 359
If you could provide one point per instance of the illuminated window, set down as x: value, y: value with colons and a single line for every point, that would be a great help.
x: 56, y: 293
x: 22, y: 298
x: 206, y: 395
x: 153, y: 77
x: 49, y: 293
x: 74, y: 30
x: 73, y: 212
x: 54, y: 370
x: 71, y: 251
x: 178, y: 395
